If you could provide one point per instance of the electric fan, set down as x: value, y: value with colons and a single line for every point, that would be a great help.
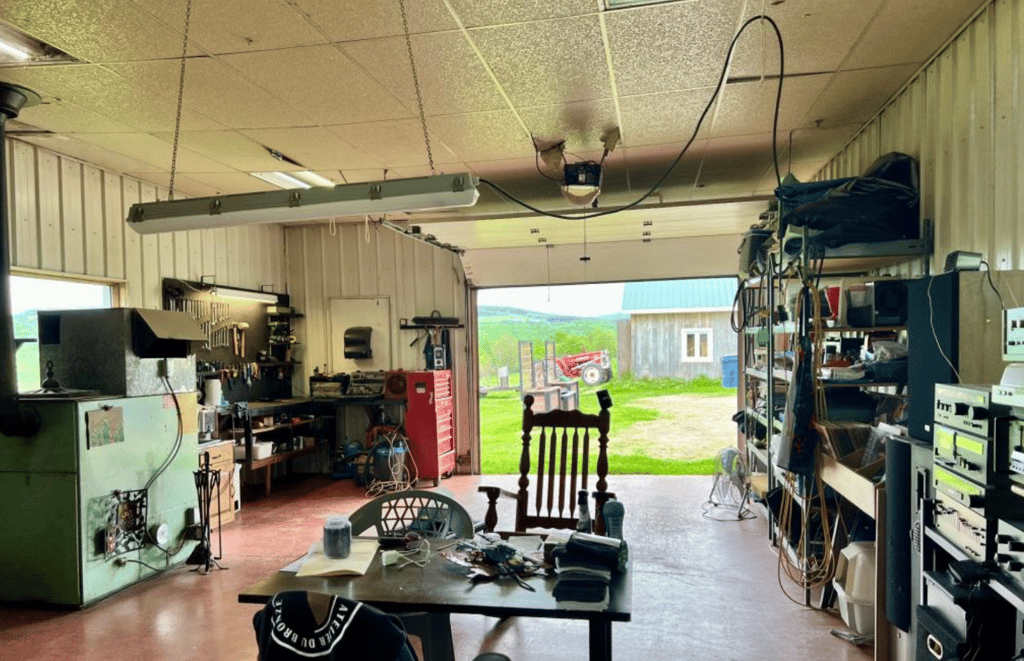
x: 731, y: 488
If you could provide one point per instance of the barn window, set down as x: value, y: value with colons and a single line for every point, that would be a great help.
x: 697, y: 345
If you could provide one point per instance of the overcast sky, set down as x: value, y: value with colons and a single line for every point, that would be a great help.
x: 571, y: 300
x: 44, y: 294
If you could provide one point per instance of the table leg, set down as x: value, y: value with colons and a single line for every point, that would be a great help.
x: 266, y: 480
x: 600, y: 640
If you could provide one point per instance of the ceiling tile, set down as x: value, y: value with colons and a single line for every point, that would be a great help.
x: 750, y: 107
x: 96, y: 30
x: 98, y: 156
x: 395, y: 143
x: 853, y: 97
x: 452, y: 79
x: 215, y: 90
x: 227, y: 147
x: 909, y: 31
x: 64, y: 117
x: 581, y: 124
x: 483, y: 136
x: 816, y: 35
x: 674, y: 46
x: 821, y: 144
x: 108, y: 94
x: 315, y: 147
x: 153, y: 150
x: 232, y: 27
x: 658, y: 118
x: 351, y: 20
x: 320, y: 81
x: 184, y: 184
x: 228, y: 183
x: 477, y: 13
x: 547, y: 62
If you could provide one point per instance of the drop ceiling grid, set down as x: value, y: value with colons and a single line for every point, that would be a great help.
x: 357, y: 20
x: 395, y: 143
x: 315, y: 147
x: 229, y: 27
x: 150, y: 149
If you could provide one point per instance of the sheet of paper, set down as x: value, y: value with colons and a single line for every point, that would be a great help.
x: 356, y: 564
x: 526, y: 543
x: 297, y: 565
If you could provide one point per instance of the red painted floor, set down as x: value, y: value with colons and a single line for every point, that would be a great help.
x: 702, y: 590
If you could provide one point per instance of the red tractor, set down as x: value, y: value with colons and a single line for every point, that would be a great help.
x: 593, y: 367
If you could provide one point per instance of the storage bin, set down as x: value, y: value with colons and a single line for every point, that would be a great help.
x: 730, y: 371
x: 855, y: 586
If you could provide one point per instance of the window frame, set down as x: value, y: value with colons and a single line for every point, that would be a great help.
x: 697, y: 332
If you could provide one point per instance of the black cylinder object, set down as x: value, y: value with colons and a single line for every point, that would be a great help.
x: 897, y: 533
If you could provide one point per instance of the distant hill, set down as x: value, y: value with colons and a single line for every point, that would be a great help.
x: 502, y: 312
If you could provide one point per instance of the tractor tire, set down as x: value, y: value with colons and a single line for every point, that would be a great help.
x: 592, y: 375
x: 607, y: 375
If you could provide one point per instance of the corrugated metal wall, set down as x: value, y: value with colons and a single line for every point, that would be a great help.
x: 418, y: 278
x: 657, y: 341
x: 963, y: 118
x: 68, y: 217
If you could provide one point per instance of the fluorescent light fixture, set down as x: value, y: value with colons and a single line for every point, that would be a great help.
x: 281, y: 180
x: 313, y: 179
x: 244, y: 294
x: 15, y: 51
x: 443, y: 191
x: 620, y: 4
x: 16, y: 45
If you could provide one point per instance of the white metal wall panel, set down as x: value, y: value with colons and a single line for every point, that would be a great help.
x: 417, y: 277
x: 962, y: 117
x: 68, y: 217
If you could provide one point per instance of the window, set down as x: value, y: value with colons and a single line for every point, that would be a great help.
x: 29, y: 295
x: 697, y: 345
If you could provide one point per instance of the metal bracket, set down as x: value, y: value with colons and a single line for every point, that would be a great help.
x: 294, y: 199
x: 458, y: 185
x: 375, y: 193
x: 215, y: 207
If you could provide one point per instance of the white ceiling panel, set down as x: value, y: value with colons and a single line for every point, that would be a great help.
x: 395, y: 143
x: 483, y: 136
x: 315, y: 147
x: 96, y: 30
x: 214, y: 90
x: 476, y: 13
x: 108, y: 94
x: 320, y: 81
x: 93, y: 154
x: 750, y: 107
x: 353, y: 20
x: 231, y: 27
x: 852, y: 97
x: 581, y: 124
x: 652, y: 119
x: 63, y: 117
x: 674, y: 46
x: 452, y: 79
x: 817, y: 36
x: 547, y: 62
x: 228, y: 183
x: 184, y: 185
x: 228, y: 147
x: 154, y: 151
x: 895, y: 34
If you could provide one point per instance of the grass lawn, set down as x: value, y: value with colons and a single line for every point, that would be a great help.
x: 501, y: 420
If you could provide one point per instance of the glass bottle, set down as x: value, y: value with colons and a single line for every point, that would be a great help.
x: 584, y: 522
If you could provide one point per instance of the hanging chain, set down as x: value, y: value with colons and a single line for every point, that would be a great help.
x: 181, y: 97
x: 416, y: 85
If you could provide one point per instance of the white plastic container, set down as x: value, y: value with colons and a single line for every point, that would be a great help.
x: 260, y: 450
x: 855, y: 586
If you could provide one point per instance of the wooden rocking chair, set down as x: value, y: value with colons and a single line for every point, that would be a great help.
x: 562, y: 458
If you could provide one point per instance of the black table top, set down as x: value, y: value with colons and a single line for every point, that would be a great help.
x: 442, y: 587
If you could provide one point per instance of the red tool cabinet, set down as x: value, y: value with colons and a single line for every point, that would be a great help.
x: 430, y: 423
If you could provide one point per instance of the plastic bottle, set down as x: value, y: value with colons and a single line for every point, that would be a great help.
x: 584, y: 522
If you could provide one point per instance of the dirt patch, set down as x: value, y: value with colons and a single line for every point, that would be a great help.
x: 691, y: 427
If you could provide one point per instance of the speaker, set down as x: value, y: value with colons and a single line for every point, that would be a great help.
x: 898, y: 507
x: 891, y: 302
x: 396, y: 385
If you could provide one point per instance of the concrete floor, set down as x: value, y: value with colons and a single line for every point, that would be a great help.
x: 702, y: 590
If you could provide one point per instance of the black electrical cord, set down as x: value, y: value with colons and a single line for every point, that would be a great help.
x: 177, y: 439
x: 988, y: 274
x: 144, y: 564
x: 721, y: 79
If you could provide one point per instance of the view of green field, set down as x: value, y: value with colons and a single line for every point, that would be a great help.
x: 659, y: 426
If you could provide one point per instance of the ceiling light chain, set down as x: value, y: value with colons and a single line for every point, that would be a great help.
x: 416, y: 85
x: 181, y: 97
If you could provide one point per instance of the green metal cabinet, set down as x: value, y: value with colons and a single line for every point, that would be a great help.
x: 53, y: 488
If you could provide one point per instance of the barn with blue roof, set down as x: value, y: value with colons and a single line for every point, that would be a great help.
x: 679, y: 328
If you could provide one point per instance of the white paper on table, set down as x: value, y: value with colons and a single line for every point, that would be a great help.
x: 356, y: 564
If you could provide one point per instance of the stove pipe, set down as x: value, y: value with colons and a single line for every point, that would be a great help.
x: 15, y: 418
